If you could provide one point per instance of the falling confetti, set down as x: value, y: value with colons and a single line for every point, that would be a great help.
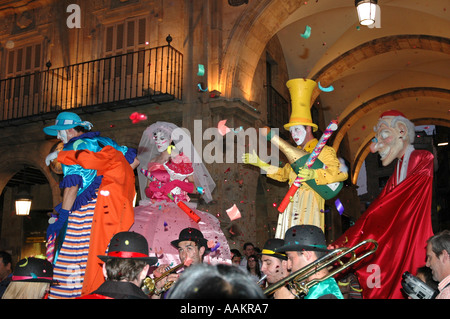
x: 104, y: 193
x: 201, y: 70
x: 137, y: 117
x: 307, y: 32
x: 339, y: 206
x: 223, y: 129
x: 215, y: 247
x: 233, y: 213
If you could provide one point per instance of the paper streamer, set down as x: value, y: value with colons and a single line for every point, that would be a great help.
x: 201, y: 89
x: 327, y: 89
x: 307, y: 32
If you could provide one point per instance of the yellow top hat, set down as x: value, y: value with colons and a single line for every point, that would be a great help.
x: 301, y: 92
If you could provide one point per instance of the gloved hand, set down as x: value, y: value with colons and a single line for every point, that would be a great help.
x: 307, y: 174
x: 51, y: 157
x: 57, y: 225
x: 253, y: 159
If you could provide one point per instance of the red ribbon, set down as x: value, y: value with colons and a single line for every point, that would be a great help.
x: 126, y: 254
x: 30, y: 277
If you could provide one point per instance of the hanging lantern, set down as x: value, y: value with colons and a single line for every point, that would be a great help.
x: 366, y: 11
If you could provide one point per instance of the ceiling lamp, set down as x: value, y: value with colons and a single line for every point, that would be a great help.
x: 23, y: 201
x: 366, y: 11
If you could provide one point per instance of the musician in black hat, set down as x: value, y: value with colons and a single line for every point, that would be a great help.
x: 274, y: 266
x: 192, y: 247
x: 31, y: 279
x: 303, y: 244
x: 125, y: 267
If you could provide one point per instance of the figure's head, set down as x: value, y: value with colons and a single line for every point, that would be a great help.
x: 274, y: 264
x: 438, y: 255
x: 393, y: 133
x: 191, y: 246
x: 162, y: 139
x: 67, y: 126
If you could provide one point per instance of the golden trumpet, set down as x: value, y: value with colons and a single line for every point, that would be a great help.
x: 149, y: 286
x: 298, y: 279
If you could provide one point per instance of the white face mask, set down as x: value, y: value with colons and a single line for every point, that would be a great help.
x: 62, y: 135
x: 161, y: 141
x: 298, y: 133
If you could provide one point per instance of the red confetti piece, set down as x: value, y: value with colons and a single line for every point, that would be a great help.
x: 137, y: 117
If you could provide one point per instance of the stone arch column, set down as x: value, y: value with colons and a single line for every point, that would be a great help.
x: 248, y: 38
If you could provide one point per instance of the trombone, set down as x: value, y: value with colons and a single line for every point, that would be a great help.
x: 298, y: 279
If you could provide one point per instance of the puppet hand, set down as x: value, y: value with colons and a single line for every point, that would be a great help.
x: 253, y: 159
x: 307, y: 174
x: 51, y: 157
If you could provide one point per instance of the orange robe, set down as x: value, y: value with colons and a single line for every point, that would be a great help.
x: 114, y: 209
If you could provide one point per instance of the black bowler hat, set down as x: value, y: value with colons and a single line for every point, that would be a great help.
x: 270, y: 247
x: 33, y: 269
x: 304, y: 237
x: 191, y: 234
x: 129, y: 245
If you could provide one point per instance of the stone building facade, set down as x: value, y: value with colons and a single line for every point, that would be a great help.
x: 76, y: 43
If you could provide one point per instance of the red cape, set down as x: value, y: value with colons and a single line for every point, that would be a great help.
x: 114, y: 209
x: 400, y: 221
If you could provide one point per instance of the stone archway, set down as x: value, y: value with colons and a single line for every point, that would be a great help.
x: 248, y: 39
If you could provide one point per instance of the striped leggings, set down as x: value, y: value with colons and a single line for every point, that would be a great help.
x: 70, y: 265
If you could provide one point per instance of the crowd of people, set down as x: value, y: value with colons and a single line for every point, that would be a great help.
x: 97, y: 229
x: 128, y: 264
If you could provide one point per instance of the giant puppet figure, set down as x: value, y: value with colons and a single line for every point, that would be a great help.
x: 99, y: 188
x: 321, y: 181
x: 399, y: 219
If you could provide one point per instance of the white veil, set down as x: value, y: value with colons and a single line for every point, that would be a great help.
x: 181, y: 138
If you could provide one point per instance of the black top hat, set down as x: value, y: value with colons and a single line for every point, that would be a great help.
x: 304, y: 237
x: 191, y: 234
x: 33, y: 269
x: 271, y: 245
x: 129, y: 245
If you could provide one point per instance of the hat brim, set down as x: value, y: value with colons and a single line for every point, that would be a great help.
x: 297, y: 247
x: 201, y: 241
x: 148, y: 260
x: 50, y: 281
x: 53, y: 130
x: 275, y: 254
x: 288, y: 125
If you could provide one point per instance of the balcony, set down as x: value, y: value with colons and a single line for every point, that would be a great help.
x: 135, y: 78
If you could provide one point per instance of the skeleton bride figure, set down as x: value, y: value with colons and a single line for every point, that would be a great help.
x: 170, y: 169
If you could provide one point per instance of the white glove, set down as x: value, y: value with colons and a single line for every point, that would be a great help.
x: 50, y: 157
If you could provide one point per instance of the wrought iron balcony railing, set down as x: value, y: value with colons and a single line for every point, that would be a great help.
x: 144, y: 76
